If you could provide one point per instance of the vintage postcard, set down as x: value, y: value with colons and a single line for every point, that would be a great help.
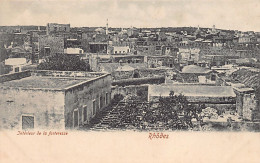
x: 130, y: 81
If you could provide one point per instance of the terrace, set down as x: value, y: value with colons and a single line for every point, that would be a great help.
x: 50, y: 80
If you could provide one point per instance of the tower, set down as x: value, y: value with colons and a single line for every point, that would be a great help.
x: 213, y: 28
x: 107, y: 27
x: 47, y: 29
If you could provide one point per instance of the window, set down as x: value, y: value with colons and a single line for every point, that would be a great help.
x: 85, y: 113
x: 27, y: 122
x: 106, y: 98
x: 47, y: 51
x: 76, y: 118
x: 100, y: 102
x: 213, y: 77
x: 94, y: 107
x: 158, y: 48
x: 16, y: 69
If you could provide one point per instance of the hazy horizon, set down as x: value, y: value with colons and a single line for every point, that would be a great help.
x: 242, y: 15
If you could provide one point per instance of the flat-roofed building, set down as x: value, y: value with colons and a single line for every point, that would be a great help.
x: 98, y: 47
x: 16, y: 64
x: 218, y: 97
x: 50, y: 45
x: 74, y: 51
x: 121, y: 50
x: 55, y: 27
x: 52, y: 99
x: 197, y: 74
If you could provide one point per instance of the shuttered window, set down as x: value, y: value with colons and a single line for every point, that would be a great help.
x: 94, y: 107
x: 85, y: 113
x: 101, y: 101
x: 76, y: 118
x: 27, y: 122
x: 106, y: 98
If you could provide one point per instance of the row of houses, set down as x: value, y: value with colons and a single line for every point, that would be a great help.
x: 70, y: 99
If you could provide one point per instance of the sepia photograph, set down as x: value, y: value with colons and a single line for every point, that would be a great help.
x: 123, y: 73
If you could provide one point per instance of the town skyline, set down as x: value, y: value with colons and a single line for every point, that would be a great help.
x: 140, y: 14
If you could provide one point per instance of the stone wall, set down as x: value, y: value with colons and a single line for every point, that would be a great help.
x: 47, y: 107
x: 139, y: 81
x: 152, y: 72
x: 54, y: 73
x: 118, y: 75
x: 249, y: 106
x: 14, y: 76
x: 82, y: 97
x: 219, y: 103
x: 204, y: 99
x: 134, y: 90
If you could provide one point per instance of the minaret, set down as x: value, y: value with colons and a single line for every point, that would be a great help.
x: 107, y: 28
x: 214, y: 28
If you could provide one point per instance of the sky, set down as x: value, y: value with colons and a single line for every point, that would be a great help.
x: 241, y: 15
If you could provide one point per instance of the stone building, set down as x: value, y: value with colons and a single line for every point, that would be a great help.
x: 218, y: 97
x: 16, y: 64
x: 247, y: 86
x: 120, y: 50
x: 98, y: 47
x: 149, y: 50
x: 158, y: 61
x: 197, y: 74
x: 245, y: 104
x: 54, y: 27
x: 49, y: 45
x: 52, y: 99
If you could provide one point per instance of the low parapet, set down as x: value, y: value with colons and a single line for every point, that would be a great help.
x: 49, y: 80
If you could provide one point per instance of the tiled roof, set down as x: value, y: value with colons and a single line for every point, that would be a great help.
x: 247, y: 77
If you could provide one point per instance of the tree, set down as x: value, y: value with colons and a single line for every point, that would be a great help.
x: 171, y: 112
x: 64, y: 63
x: 177, y: 112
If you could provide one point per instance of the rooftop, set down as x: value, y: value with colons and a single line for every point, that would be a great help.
x: 50, y: 80
x: 125, y: 68
x: 15, y: 61
x: 43, y: 82
x: 194, y: 69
